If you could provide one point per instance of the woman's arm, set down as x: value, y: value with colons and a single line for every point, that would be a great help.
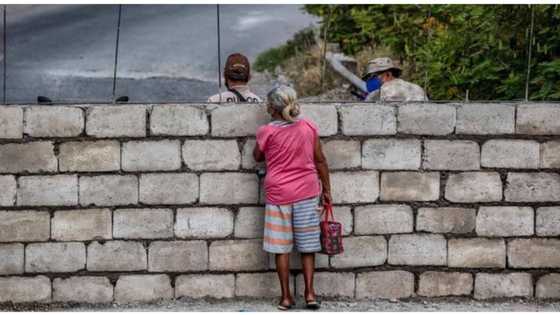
x: 323, y: 170
x: 258, y: 155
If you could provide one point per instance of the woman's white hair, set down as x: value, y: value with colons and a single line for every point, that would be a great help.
x: 283, y: 99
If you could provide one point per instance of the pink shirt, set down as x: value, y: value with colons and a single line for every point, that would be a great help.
x: 288, y: 149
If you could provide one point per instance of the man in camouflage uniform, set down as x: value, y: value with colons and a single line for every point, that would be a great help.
x: 393, y: 89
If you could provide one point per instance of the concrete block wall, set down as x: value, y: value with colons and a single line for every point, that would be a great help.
x: 128, y: 203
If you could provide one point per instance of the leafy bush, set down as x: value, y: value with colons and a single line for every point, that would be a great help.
x: 270, y: 59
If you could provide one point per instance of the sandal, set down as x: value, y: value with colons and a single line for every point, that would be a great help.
x: 283, y: 307
x: 312, y: 305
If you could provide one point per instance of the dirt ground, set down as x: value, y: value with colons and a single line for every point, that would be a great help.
x: 330, y: 305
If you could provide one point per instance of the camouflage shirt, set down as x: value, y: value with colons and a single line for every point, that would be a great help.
x: 398, y: 90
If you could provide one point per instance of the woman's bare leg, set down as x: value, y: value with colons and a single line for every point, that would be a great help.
x: 283, y: 269
x: 308, y: 265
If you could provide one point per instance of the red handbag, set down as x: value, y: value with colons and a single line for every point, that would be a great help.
x: 331, y: 234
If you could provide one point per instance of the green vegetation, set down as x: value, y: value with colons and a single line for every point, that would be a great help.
x: 274, y: 57
x: 451, y: 49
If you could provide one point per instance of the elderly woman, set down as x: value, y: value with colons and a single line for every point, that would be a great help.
x: 295, y: 164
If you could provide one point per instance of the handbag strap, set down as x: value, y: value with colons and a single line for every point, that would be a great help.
x: 329, y: 212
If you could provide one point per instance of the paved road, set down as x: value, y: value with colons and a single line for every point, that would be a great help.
x: 166, y: 52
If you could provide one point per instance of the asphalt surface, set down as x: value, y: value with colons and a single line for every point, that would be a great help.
x: 166, y: 52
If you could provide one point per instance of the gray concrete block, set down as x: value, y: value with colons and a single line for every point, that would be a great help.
x: 212, y: 155
x: 8, y: 187
x: 433, y: 283
x: 31, y: 157
x: 409, y: 186
x: 143, y: 288
x: 11, y: 259
x: 426, y: 119
x: 204, y: 223
x: 368, y: 119
x: 505, y: 221
x: 392, y: 154
x: 247, y: 160
x: 383, y: 219
x: 446, y: 220
x: 116, y: 121
x: 82, y: 225
x: 325, y: 116
x: 259, y: 285
x: 237, y: 255
x: 418, y: 250
x: 90, y: 156
x: 53, y: 121
x: 142, y: 223
x: 56, y: 190
x: 205, y: 285
x: 177, y: 256
x: 361, y: 251
x: 238, y: 120
x: 116, y: 256
x: 228, y: 188
x: 169, y: 188
x: 485, y: 119
x: 534, y: 253
x: 25, y: 289
x: 329, y: 284
x: 11, y: 122
x: 342, y: 154
x: 487, y: 286
x: 548, y: 286
x: 354, y: 187
x: 108, y: 190
x: 394, y: 284
x: 451, y: 155
x: 532, y: 187
x: 472, y: 187
x: 83, y: 290
x: 24, y: 226
x: 344, y: 216
x: 548, y: 221
x: 550, y: 154
x: 538, y: 119
x: 55, y: 257
x: 163, y: 155
x: 249, y: 223
x: 510, y: 153
x: 476, y: 253
x: 178, y: 120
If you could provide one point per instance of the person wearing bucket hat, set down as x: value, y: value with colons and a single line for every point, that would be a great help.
x: 237, y: 73
x: 384, y: 72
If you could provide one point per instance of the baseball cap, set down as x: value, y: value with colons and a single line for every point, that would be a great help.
x: 237, y: 67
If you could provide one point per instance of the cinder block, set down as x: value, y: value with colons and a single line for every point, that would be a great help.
x: 83, y: 290
x: 451, y: 155
x: 143, y: 288
x: 116, y: 121
x: 383, y: 219
x: 228, y: 188
x: 178, y: 120
x: 11, y: 122
x: 418, y: 250
x: 505, y: 221
x: 163, y: 155
x: 473, y: 187
x: 259, y: 285
x: 361, y: 251
x: 329, y: 284
x: 53, y: 121
x: 237, y: 255
x: 25, y: 289
x: 487, y: 286
x: 391, y: 154
x: 168, y: 188
x: 550, y: 154
x: 426, y: 119
x: 116, y: 256
x: 344, y: 216
x: 342, y: 154
x: 384, y: 284
x: 249, y: 223
x: 201, y: 286
x: 7, y: 190
x: 90, y: 156
x: 534, y: 253
x: 247, y: 160
x: 548, y: 286
x: 56, y: 190
x: 409, y: 186
x: 538, y: 119
x: 324, y: 116
x: 108, y: 190
x: 476, y: 253
x: 238, y: 120
x: 510, y: 153
x: 368, y: 119
x: 548, y: 221
x: 446, y: 220
x: 178, y: 256
x: 24, y: 226
x: 354, y: 187
x: 532, y: 187
x: 55, y: 257
x: 11, y: 261
x: 31, y: 157
x: 82, y: 225
x: 204, y: 223
x: 433, y: 283
x: 142, y: 223
x: 212, y: 155
x: 485, y: 119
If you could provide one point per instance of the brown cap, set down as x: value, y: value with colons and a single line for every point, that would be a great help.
x: 237, y: 68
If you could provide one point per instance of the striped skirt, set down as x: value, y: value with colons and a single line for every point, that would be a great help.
x: 296, y: 223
